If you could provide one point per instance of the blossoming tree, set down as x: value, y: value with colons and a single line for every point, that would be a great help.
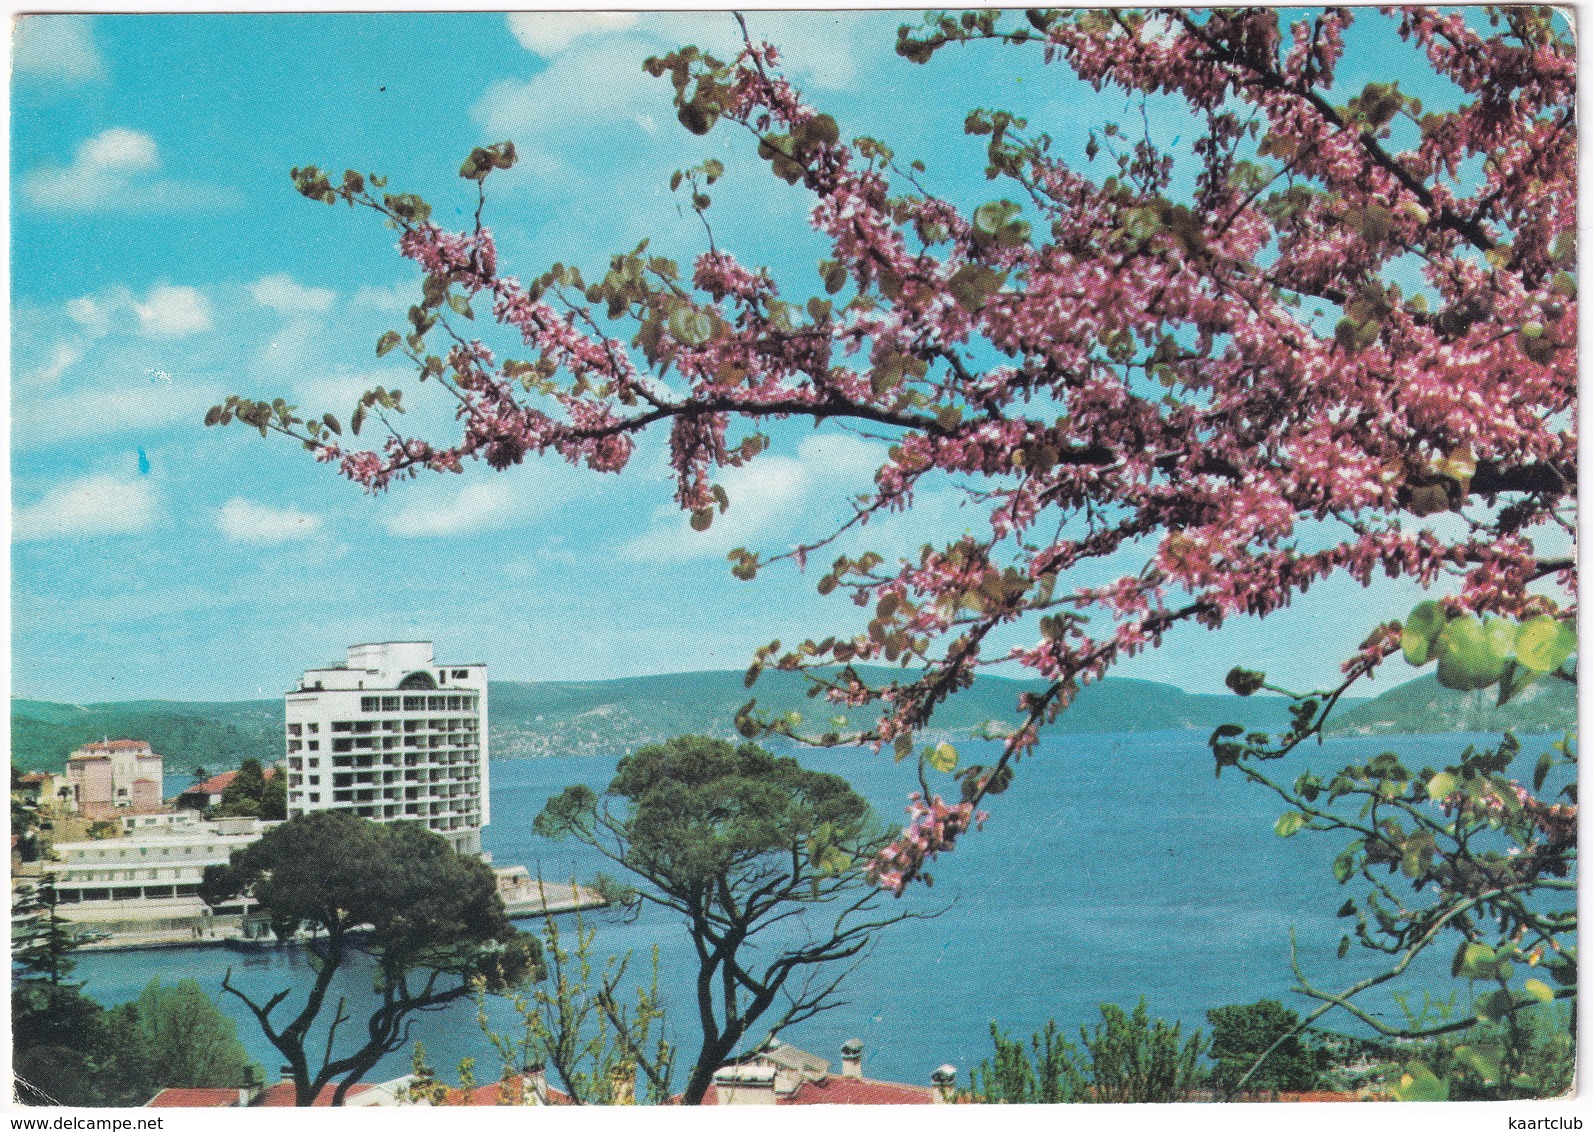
x: 1334, y: 337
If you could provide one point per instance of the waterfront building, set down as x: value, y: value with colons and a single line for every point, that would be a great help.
x: 107, y: 779
x: 148, y: 881
x: 392, y: 735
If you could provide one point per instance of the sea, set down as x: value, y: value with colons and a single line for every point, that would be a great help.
x: 1117, y: 867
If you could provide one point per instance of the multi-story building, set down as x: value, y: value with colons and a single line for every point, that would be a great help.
x: 391, y: 735
x: 110, y: 778
x: 151, y: 876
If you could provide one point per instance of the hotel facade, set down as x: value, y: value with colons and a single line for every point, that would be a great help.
x: 392, y: 735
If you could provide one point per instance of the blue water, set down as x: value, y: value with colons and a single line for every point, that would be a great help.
x: 1116, y: 866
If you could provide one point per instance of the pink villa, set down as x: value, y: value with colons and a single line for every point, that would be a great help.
x: 114, y: 777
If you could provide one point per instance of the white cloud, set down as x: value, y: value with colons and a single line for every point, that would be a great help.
x: 106, y: 409
x: 115, y: 170
x: 817, y: 48
x: 173, y: 312
x: 556, y: 109
x: 89, y: 315
x: 166, y: 311
x: 548, y: 33
x: 118, y: 150
x: 57, y: 47
x: 281, y: 294
x: 394, y: 298
x: 103, y: 169
x: 243, y: 521
x: 475, y: 507
x: 62, y: 358
x: 93, y: 505
x: 772, y: 494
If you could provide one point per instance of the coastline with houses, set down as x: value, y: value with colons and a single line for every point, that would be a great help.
x: 387, y: 735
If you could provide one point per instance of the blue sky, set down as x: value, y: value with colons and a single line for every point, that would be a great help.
x: 161, y: 260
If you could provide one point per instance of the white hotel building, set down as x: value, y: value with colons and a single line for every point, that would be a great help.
x: 392, y: 735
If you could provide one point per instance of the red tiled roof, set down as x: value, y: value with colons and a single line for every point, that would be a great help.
x: 34, y: 776
x: 836, y: 1089
x: 195, y: 1098
x: 216, y: 783
x: 487, y: 1096
x: 281, y: 1095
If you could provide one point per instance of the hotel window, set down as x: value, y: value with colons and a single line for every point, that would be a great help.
x: 315, y: 745
x: 295, y: 729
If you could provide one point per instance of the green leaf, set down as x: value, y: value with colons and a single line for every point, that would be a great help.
x: 1244, y: 682
x: 1541, y: 771
x: 1468, y: 657
x: 903, y: 745
x: 698, y: 116
x: 1344, y: 946
x: 992, y: 217
x: 1441, y: 786
x: 1516, y: 677
x: 1495, y: 1006
x: 942, y: 756
x: 1483, y: 1059
x: 1476, y: 961
x: 1426, y: 621
x: 1539, y: 990
x: 834, y: 861
x: 1289, y: 824
x: 1543, y: 643
x: 1419, y: 1084
x: 461, y: 306
x: 387, y: 343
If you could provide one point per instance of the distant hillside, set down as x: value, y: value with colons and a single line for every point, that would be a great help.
x: 616, y: 716
x: 1422, y: 705
x: 188, y: 735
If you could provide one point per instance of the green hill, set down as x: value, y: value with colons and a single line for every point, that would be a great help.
x: 1423, y: 705
x: 210, y: 735
x: 616, y: 716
